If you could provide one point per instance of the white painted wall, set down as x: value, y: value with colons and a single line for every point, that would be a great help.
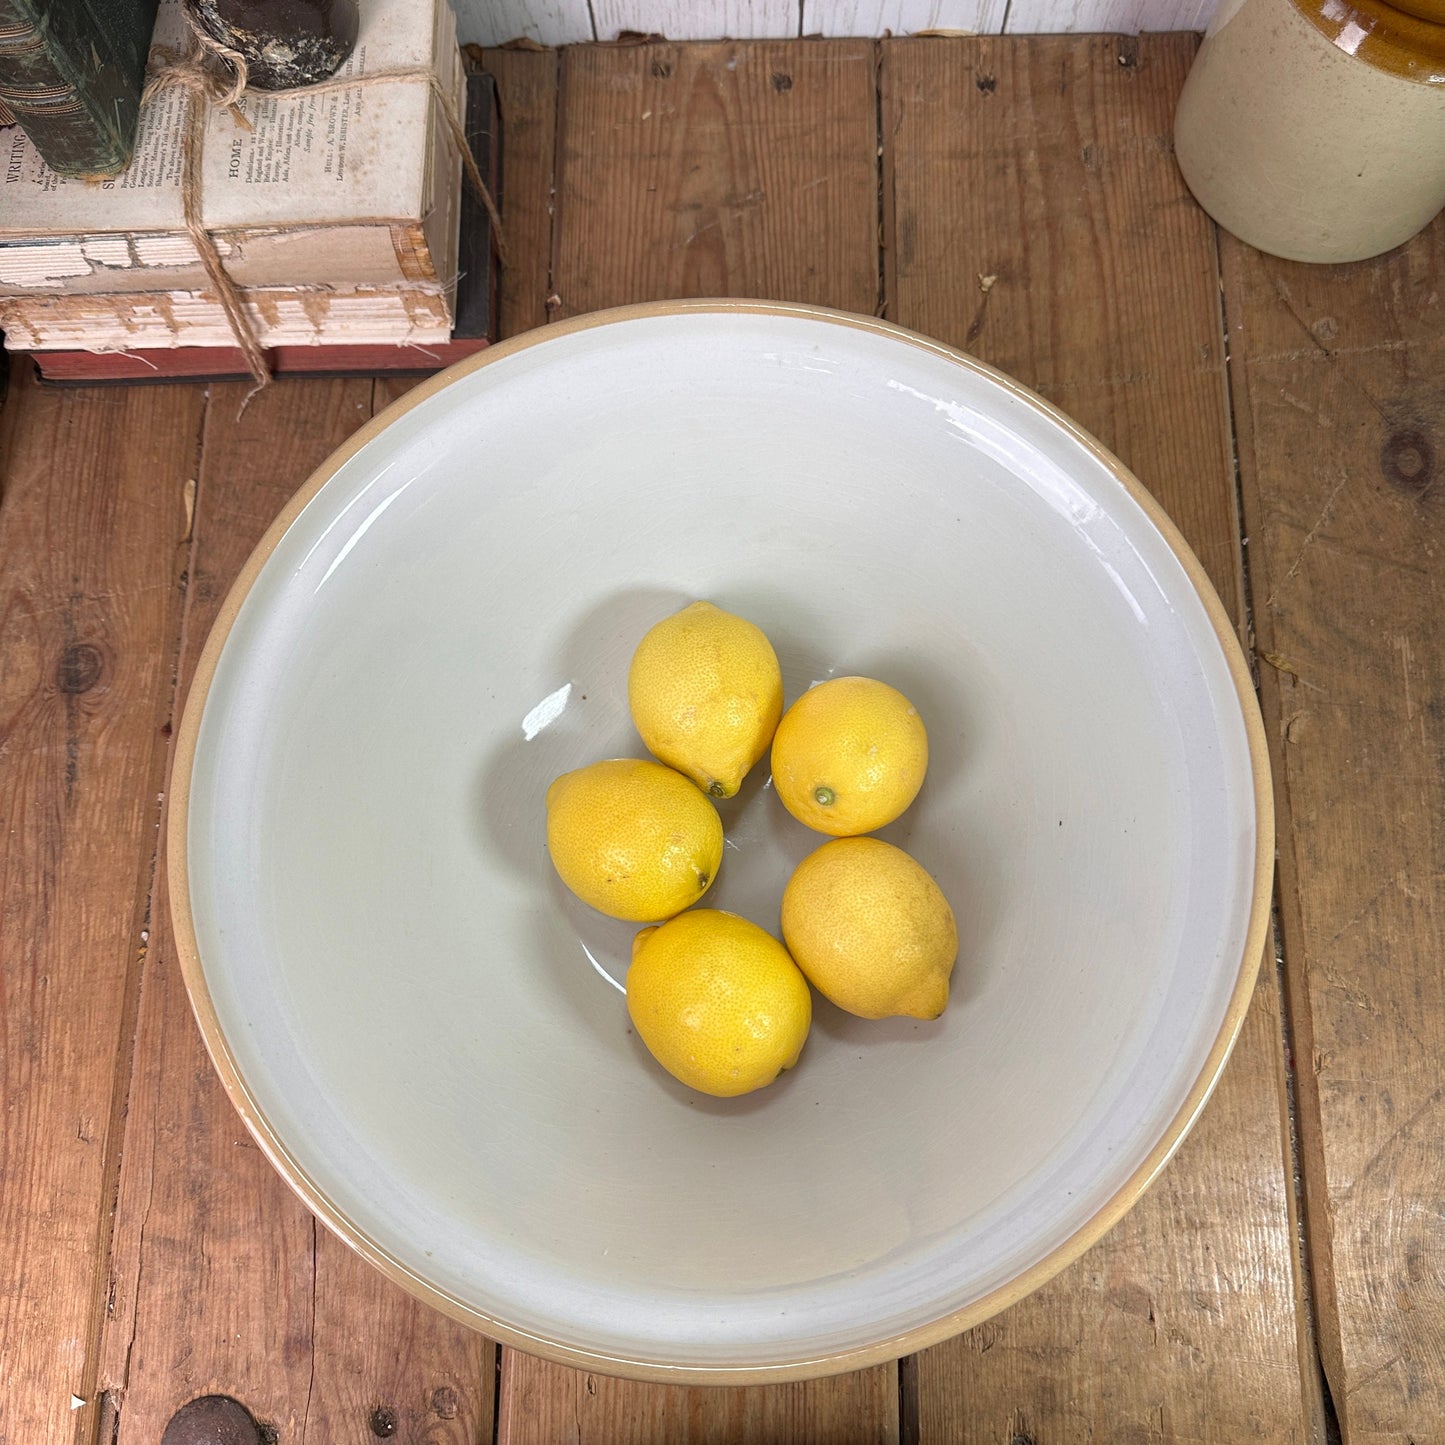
x: 901, y: 17
x: 709, y: 20
x: 569, y: 22
x: 1035, y: 17
x: 552, y: 22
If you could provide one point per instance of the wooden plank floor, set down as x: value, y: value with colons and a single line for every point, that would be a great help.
x: 1340, y: 401
x: 1013, y: 196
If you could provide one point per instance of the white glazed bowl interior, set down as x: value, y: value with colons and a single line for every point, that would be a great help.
x: 427, y: 1033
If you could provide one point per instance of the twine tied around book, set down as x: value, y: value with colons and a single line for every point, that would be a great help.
x: 211, y: 75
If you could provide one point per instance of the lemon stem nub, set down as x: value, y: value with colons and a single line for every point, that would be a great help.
x: 717, y: 790
x: 824, y: 796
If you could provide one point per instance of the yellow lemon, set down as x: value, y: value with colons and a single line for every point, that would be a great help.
x: 634, y: 839
x: 706, y: 694
x: 849, y: 756
x: 718, y: 1002
x: 871, y: 929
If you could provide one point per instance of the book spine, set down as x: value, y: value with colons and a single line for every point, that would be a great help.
x: 73, y: 83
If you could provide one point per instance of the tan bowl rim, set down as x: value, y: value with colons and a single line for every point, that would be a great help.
x: 291, y: 1170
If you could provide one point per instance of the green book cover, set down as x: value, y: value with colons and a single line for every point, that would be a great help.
x: 71, y: 73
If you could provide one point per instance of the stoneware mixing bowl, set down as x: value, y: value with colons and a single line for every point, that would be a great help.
x: 427, y: 1035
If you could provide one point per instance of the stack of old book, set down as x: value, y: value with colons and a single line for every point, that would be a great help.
x: 338, y: 213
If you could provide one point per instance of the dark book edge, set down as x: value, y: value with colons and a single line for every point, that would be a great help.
x: 476, y: 249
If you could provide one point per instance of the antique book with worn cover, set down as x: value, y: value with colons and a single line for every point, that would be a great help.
x: 322, y: 349
x: 346, y: 184
x: 71, y: 73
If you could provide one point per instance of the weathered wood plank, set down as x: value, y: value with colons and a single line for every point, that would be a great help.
x: 1034, y: 216
x: 388, y: 1366
x: 717, y: 170
x: 92, y: 529
x: 545, y: 1402
x: 527, y: 95
x: 793, y: 129
x: 1340, y: 401
x: 223, y: 1283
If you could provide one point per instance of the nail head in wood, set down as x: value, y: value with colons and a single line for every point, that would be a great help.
x: 213, y: 1420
